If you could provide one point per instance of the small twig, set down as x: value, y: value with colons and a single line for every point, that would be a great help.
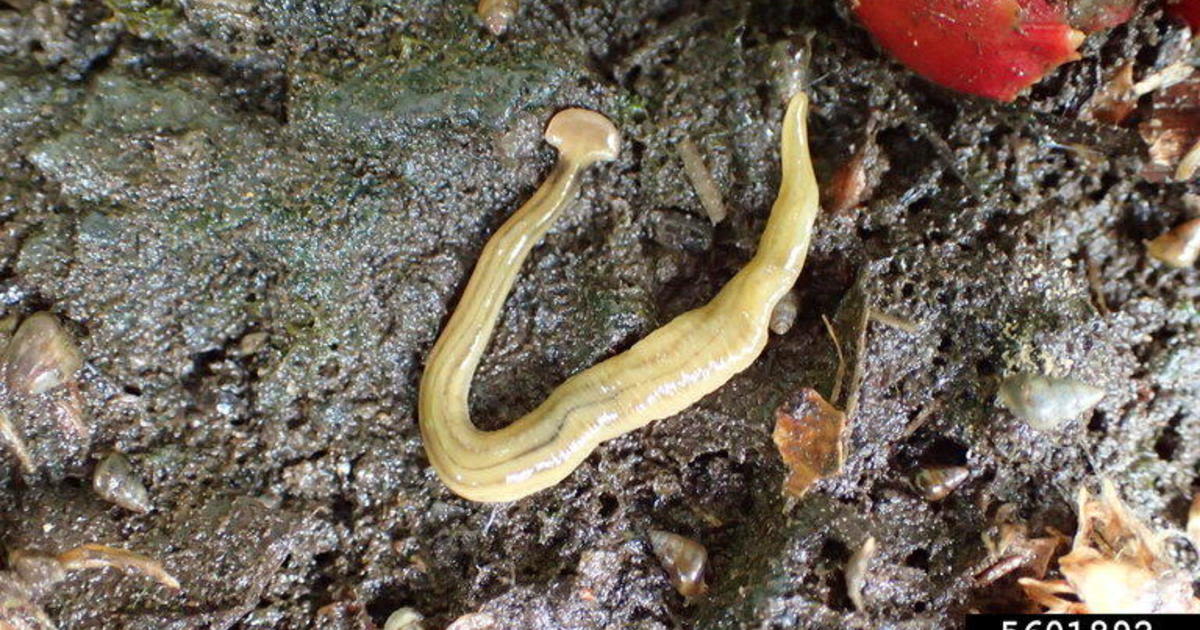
x: 841, y: 368
x: 859, y: 331
x: 675, y: 31
x: 1093, y: 276
x: 1168, y: 76
x: 888, y: 319
x: 919, y: 421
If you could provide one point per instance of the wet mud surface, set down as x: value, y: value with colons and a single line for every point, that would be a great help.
x: 255, y: 218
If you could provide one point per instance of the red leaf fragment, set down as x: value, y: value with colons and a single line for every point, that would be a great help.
x: 992, y: 48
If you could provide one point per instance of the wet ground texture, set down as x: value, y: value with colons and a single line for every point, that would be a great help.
x: 256, y: 217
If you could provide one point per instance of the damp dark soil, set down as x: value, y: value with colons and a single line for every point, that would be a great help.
x: 256, y: 217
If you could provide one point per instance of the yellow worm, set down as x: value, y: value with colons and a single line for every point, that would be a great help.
x: 659, y: 376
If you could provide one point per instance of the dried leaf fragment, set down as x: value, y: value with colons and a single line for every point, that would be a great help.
x: 1172, y: 130
x: 1116, y: 565
x: 808, y: 433
x: 1013, y: 549
x: 1114, y: 101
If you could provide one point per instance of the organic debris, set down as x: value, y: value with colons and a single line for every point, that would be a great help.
x: 1012, y: 549
x: 809, y: 433
x: 32, y: 574
x: 1172, y: 131
x: 857, y: 178
x: 992, y: 48
x: 1114, y: 101
x: 1116, y: 565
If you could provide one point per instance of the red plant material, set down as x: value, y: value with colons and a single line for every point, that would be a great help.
x: 1186, y: 10
x: 993, y: 48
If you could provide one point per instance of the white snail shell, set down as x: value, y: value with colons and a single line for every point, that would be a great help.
x: 1046, y: 402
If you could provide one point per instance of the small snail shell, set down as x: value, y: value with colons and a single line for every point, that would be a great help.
x: 856, y: 571
x: 116, y: 482
x: 783, y: 316
x: 1178, y: 247
x: 684, y: 560
x: 40, y: 356
x: 496, y: 14
x: 404, y: 619
x: 1046, y: 402
x: 937, y: 482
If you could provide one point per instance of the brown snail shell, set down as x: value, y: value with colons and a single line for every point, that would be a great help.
x: 937, y: 482
x: 116, y: 482
x: 684, y: 560
x: 40, y: 356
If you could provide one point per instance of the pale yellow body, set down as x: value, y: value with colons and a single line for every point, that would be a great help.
x: 659, y: 376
